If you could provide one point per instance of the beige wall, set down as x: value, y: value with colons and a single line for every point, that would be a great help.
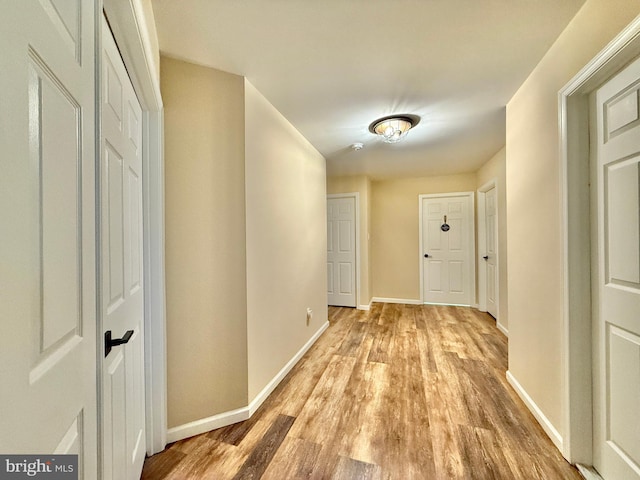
x: 395, y: 267
x: 205, y: 241
x: 286, y: 239
x: 362, y: 185
x: 534, y: 204
x: 496, y: 169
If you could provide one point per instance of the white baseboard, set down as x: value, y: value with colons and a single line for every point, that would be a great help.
x: 364, y: 307
x: 547, y: 426
x: 271, y: 386
x: 448, y: 304
x: 502, y: 328
x: 234, y: 416
x: 588, y: 473
x: 207, y: 424
x: 396, y: 300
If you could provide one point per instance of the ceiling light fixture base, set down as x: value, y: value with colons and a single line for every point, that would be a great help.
x: 393, y: 128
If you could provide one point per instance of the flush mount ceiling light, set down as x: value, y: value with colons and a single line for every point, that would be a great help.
x: 393, y: 128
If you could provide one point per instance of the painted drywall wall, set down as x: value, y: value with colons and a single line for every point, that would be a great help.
x: 395, y: 267
x: 362, y: 185
x: 496, y: 169
x: 286, y: 239
x: 205, y: 241
x: 534, y: 205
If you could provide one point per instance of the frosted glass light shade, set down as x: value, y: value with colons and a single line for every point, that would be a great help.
x: 394, y: 129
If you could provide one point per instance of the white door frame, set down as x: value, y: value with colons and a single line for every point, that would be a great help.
x: 127, y: 22
x: 472, y: 240
x: 577, y: 441
x: 356, y: 196
x: 482, y: 247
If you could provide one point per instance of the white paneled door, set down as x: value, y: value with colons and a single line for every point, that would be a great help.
x: 616, y: 168
x: 341, y: 251
x: 121, y: 252
x: 491, y: 255
x: 447, y: 225
x: 47, y: 230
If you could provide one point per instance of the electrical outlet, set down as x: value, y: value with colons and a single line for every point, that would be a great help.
x: 309, y: 316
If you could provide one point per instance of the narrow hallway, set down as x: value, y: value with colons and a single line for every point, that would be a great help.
x: 399, y: 392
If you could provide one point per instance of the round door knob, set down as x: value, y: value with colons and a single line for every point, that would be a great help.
x: 426, y: 255
x: 486, y: 257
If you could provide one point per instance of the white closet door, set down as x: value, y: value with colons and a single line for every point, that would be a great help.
x: 617, y: 278
x: 491, y: 255
x: 341, y: 251
x: 121, y: 251
x: 47, y: 229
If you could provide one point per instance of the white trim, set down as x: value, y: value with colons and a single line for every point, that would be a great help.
x: 271, y: 386
x: 207, y: 424
x: 364, y: 307
x: 396, y: 300
x: 355, y: 195
x: 502, y: 329
x: 575, y: 227
x: 126, y: 19
x: 546, y: 424
x: 155, y: 332
x: 450, y: 304
x: 588, y: 473
x: 234, y: 416
x: 488, y: 186
x: 472, y: 240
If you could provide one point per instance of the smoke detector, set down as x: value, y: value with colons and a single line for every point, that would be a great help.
x: 357, y: 146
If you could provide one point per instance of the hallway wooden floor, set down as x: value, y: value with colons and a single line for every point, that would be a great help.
x: 400, y: 392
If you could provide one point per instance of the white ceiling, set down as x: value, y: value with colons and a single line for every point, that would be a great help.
x: 331, y: 67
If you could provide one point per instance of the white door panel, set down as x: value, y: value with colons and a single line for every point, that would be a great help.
x: 434, y: 239
x: 435, y: 276
x: 447, y: 254
x: 456, y: 277
x: 341, y: 251
x: 122, y: 310
x: 47, y: 225
x: 346, y: 286
x: 491, y: 231
x: 617, y: 278
x: 621, y: 189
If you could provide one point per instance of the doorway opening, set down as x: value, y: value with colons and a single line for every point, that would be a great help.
x: 575, y: 122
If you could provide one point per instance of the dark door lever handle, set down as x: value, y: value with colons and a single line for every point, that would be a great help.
x: 109, y: 342
x: 486, y: 257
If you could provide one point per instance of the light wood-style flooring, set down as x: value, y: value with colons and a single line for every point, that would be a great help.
x: 399, y: 392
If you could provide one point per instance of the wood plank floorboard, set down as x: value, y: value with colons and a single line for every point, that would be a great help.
x: 263, y: 453
x: 401, y: 392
